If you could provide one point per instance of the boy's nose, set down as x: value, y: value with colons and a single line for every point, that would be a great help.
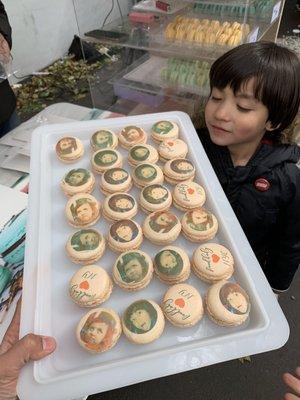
x: 222, y: 112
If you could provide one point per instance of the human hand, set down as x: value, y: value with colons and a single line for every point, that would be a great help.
x: 4, y: 49
x: 15, y: 353
x: 294, y: 383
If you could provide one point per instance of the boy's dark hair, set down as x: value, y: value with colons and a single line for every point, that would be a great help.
x: 277, y: 78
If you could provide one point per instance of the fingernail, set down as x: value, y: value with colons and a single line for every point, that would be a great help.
x: 48, y: 343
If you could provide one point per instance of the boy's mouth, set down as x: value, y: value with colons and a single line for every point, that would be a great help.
x: 219, y: 129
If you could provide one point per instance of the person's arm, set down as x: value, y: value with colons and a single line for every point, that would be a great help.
x: 5, y: 28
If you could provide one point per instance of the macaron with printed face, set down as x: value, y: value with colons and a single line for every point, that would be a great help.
x: 132, y: 135
x: 99, y: 330
x: 142, y: 153
x: 188, y: 196
x: 90, y: 286
x: 133, y: 270
x: 82, y: 210
x: 69, y: 149
x: 179, y: 170
x: 162, y: 227
x: 182, y: 305
x: 115, y: 180
x: 155, y: 198
x: 79, y: 180
x: 85, y: 246
x: 212, y: 263
x: 172, y: 265
x: 143, y: 322
x: 104, y: 139
x: 119, y: 206
x: 125, y: 235
x: 227, y: 304
x: 147, y: 174
x: 199, y: 225
x: 172, y: 148
x: 102, y: 160
x: 163, y: 130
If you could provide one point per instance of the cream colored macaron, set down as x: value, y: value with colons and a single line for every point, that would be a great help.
x: 147, y: 174
x: 142, y: 153
x: 85, y: 246
x: 115, y: 180
x: 82, y: 210
x: 172, y: 148
x: 172, y: 265
x: 102, y: 160
x: 188, y: 195
x: 227, y: 304
x: 90, y: 286
x: 132, y: 135
x: 79, y: 180
x: 162, y: 227
x: 119, y: 206
x: 125, y: 235
x: 99, y: 330
x: 143, y: 322
x: 179, y: 170
x: 155, y: 198
x: 182, y: 305
x: 133, y: 270
x: 199, y: 225
x: 162, y: 130
x: 69, y: 149
x: 104, y: 139
x: 212, y: 262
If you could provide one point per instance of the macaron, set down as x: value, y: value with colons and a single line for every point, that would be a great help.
x: 69, y: 149
x: 104, y: 139
x: 79, y: 180
x: 142, y: 153
x: 90, y: 286
x: 115, y: 180
x: 179, y: 170
x: 227, y: 304
x: 199, y: 225
x: 212, y: 262
x: 133, y: 270
x: 99, y: 330
x: 119, y: 206
x: 182, y: 305
x: 82, y: 210
x: 132, y: 135
x: 143, y: 322
x: 125, y: 235
x: 172, y: 265
x: 162, y: 130
x: 155, y: 198
x: 85, y: 246
x: 162, y: 227
x: 188, y: 195
x: 102, y: 160
x: 172, y: 148
x: 146, y: 174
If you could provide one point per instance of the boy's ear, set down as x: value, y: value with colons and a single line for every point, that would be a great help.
x: 270, y: 127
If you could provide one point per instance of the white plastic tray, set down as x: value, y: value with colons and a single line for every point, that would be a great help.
x: 71, y: 372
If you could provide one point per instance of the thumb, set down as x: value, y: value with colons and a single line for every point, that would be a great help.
x: 30, y: 347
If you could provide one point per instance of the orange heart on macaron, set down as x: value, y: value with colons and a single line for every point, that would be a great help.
x: 180, y: 302
x: 84, y: 285
x: 215, y: 258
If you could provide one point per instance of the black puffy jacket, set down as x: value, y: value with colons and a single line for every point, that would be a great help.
x: 7, y: 97
x: 269, y: 218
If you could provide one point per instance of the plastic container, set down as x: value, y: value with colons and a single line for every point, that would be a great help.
x: 70, y: 372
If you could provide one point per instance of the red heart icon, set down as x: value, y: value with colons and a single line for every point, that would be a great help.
x: 171, y: 143
x: 215, y: 258
x: 180, y: 302
x: 84, y: 285
x: 190, y: 191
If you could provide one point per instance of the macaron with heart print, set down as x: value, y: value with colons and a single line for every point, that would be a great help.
x: 132, y: 135
x: 182, y: 305
x: 212, y: 262
x: 119, y: 206
x: 69, y: 149
x: 142, y: 153
x: 79, y: 180
x: 179, y: 170
x: 162, y: 227
x: 99, y: 330
x: 163, y: 130
x: 104, y: 139
x: 82, y: 210
x: 155, y: 198
x: 143, y: 322
x: 115, y: 180
x: 102, y: 160
x: 227, y: 304
x: 147, y: 174
x: 90, y: 286
x: 188, y: 195
x: 172, y: 265
x: 172, y: 148
x: 85, y: 246
x: 125, y: 235
x: 199, y: 225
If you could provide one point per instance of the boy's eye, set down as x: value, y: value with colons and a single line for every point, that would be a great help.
x: 243, y: 109
x: 215, y: 98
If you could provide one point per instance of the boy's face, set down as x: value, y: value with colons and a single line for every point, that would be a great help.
x: 235, y: 120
